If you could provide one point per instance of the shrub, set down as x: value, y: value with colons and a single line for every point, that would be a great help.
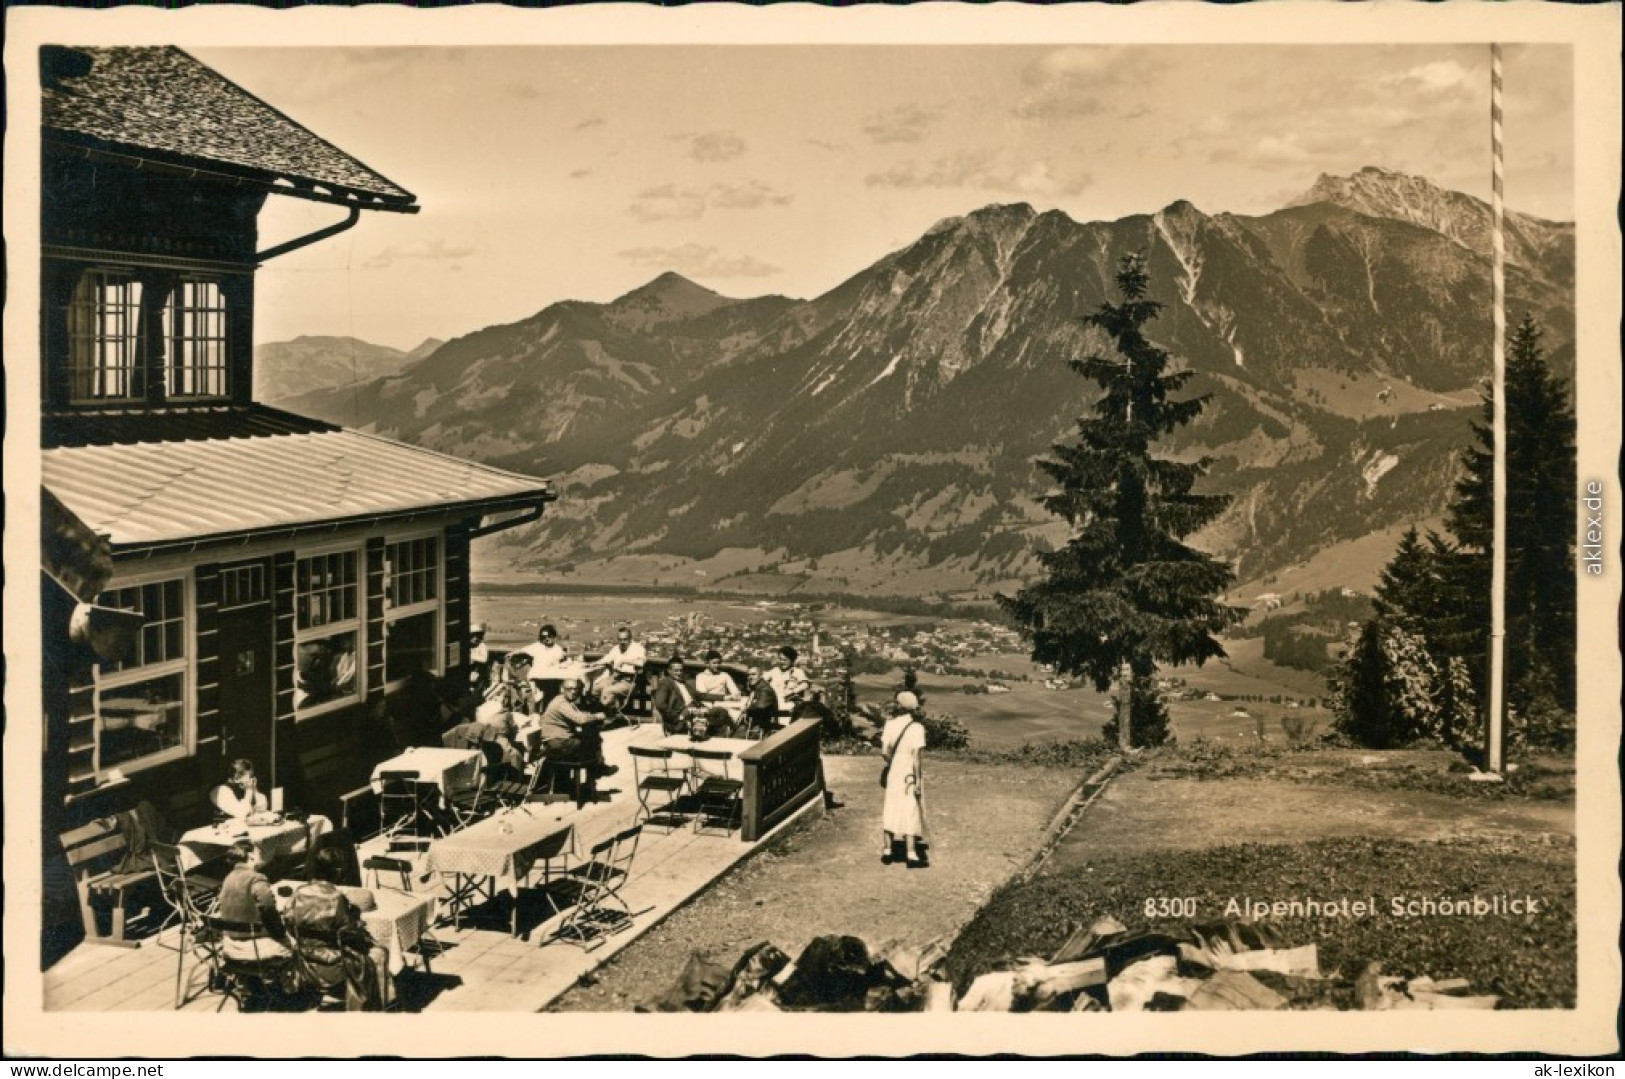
x: 944, y: 732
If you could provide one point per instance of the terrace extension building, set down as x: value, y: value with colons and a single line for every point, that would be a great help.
x: 277, y: 575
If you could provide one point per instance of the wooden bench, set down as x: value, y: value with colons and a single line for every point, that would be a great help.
x: 94, y: 851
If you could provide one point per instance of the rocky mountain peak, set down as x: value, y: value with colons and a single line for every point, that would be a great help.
x: 669, y: 297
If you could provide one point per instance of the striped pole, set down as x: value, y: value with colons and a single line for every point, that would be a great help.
x: 1494, y: 754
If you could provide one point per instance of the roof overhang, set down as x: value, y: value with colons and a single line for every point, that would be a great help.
x: 143, y: 160
x: 157, y: 497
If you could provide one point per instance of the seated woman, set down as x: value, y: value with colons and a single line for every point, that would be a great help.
x: 239, y: 797
x: 246, y: 898
x: 343, y: 953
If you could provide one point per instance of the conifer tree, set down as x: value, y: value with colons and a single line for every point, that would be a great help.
x: 1541, y: 509
x: 1125, y: 589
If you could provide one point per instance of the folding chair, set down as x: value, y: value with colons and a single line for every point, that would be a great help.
x: 655, y: 777
x: 600, y: 912
x: 501, y: 786
x: 380, y: 864
x: 476, y: 803
x: 187, y: 903
x: 720, y: 796
x: 239, y: 978
x: 399, y: 806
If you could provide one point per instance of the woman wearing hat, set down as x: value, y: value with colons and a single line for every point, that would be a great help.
x: 902, y: 815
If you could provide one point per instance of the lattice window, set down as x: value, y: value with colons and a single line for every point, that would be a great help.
x: 412, y: 611
x: 142, y: 699
x: 327, y: 630
x: 195, y: 327
x: 243, y: 585
x: 104, y: 338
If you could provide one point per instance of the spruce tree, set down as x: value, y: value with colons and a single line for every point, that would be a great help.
x: 1408, y: 589
x: 1541, y: 511
x: 1125, y: 589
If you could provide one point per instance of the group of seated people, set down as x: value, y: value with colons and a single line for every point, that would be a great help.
x: 539, y: 703
x: 340, y: 953
x: 514, y: 716
x: 318, y: 919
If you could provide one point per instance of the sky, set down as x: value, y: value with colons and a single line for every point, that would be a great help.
x: 583, y: 171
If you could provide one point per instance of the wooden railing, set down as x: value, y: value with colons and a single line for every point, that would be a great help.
x: 782, y: 774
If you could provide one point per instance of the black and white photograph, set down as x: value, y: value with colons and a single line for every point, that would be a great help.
x: 1046, y: 513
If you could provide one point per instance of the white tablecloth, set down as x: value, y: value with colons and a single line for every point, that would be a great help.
x: 682, y: 743
x: 451, y: 770
x: 271, y: 841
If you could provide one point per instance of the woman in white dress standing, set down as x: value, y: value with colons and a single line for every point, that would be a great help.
x: 902, y: 816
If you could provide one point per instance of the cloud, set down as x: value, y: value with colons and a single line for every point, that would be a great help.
x: 524, y: 91
x: 422, y: 251
x: 711, y: 146
x: 591, y: 121
x: 580, y: 174
x: 982, y: 169
x: 668, y: 202
x: 1438, y: 77
x: 746, y: 196
x: 907, y: 123
x: 699, y: 260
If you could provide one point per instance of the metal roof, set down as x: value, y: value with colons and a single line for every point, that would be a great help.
x: 157, y: 493
x: 149, y: 101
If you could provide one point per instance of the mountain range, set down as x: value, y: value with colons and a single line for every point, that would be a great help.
x: 285, y: 371
x: 881, y: 437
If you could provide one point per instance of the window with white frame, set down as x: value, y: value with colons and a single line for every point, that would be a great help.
x: 195, y: 329
x: 141, y: 699
x: 411, y: 607
x: 104, y: 321
x: 327, y: 629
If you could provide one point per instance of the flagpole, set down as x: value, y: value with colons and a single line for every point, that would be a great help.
x: 1494, y: 755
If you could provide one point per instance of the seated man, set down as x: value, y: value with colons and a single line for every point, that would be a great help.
x: 622, y: 664
x: 246, y: 897
x: 714, y: 683
x: 788, y: 681
x: 353, y: 959
x: 566, y: 733
x: 672, y: 699
x: 762, y: 708
x: 512, y: 687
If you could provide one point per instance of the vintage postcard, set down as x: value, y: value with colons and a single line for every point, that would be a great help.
x: 782, y: 528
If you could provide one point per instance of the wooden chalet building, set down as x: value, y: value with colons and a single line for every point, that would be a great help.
x: 280, y: 574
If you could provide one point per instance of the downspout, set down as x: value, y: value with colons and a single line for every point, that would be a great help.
x: 306, y: 241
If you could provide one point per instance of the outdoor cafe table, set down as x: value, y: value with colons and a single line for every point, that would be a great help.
x: 499, y: 851
x: 451, y: 770
x: 682, y: 743
x: 397, y: 923
x: 271, y: 841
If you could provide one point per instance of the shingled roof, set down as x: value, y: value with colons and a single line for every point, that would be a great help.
x: 159, y: 104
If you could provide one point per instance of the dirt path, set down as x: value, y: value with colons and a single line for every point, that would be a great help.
x: 985, y: 820
x: 1165, y: 813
